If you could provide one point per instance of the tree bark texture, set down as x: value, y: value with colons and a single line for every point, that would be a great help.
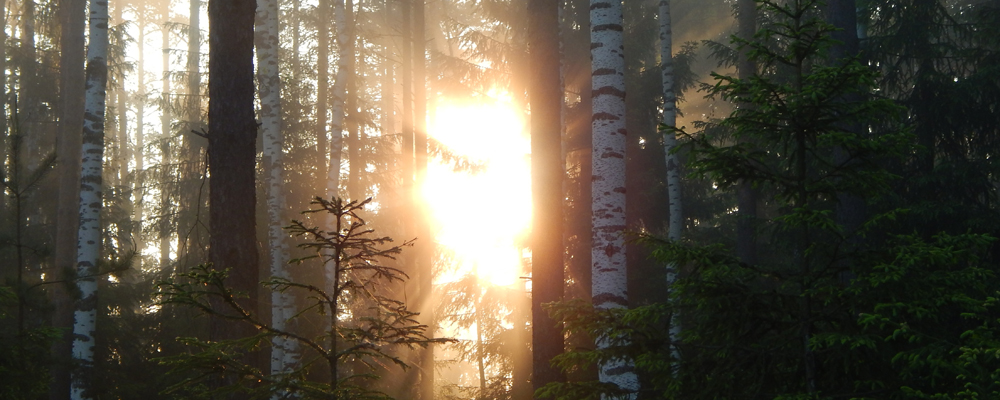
x: 88, y: 247
x: 285, y: 353
x: 232, y: 132
x: 73, y: 19
x: 608, y: 173
x: 545, y: 95
x: 669, y: 143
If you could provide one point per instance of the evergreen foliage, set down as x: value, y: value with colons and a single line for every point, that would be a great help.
x: 877, y: 312
x: 365, y: 323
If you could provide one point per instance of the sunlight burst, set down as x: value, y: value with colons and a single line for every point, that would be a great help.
x: 483, y: 215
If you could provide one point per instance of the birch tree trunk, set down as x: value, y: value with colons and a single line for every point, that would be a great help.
x: 608, y: 174
x: 284, y: 351
x: 669, y: 143
x: 85, y: 316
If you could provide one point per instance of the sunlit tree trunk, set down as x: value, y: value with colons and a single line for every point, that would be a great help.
x: 343, y: 36
x: 669, y: 144
x: 354, y: 189
x: 92, y: 151
x: 608, y: 171
x: 121, y: 107
x: 139, y: 151
x: 424, y: 248
x: 71, y: 75
x: 322, y: 79
x: 166, y: 216
x: 284, y: 352
x: 545, y: 97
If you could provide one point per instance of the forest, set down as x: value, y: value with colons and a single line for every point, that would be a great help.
x: 500, y: 199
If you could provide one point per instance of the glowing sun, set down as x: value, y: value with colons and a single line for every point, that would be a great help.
x: 482, y: 215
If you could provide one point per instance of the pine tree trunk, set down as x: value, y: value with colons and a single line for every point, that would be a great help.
x: 72, y: 17
x: 353, y: 142
x: 231, y: 150
x: 284, y: 352
x: 545, y: 96
x: 322, y: 80
x: 343, y: 35
x: 424, y: 248
x: 92, y: 151
x: 608, y: 171
x: 139, y: 151
x: 669, y: 143
x: 166, y: 216
x: 746, y: 246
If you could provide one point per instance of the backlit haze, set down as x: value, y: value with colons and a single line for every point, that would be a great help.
x: 482, y: 216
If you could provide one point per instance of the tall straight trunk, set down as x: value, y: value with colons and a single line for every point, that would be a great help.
x: 746, y: 246
x: 121, y: 107
x: 88, y: 247
x: 343, y: 35
x: 669, y: 144
x: 26, y: 101
x: 189, y: 202
x: 139, y: 151
x: 353, y: 142
x: 232, y: 132
x: 71, y: 77
x: 388, y: 123
x: 608, y: 172
x: 284, y: 351
x: 322, y: 79
x: 165, y: 118
x: 545, y: 96
x: 424, y: 250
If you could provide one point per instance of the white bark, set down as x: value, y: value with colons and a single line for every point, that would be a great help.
x: 285, y: 354
x: 669, y: 143
x: 608, y: 182
x: 85, y: 316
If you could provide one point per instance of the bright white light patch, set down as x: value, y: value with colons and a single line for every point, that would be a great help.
x: 483, y: 217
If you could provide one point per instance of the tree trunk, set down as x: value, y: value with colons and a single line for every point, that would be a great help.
x: 351, y: 118
x: 673, y: 164
x: 72, y: 17
x: 231, y: 150
x: 284, y: 351
x: 166, y: 216
x: 746, y: 246
x: 545, y: 96
x: 424, y: 248
x: 88, y: 247
x: 608, y: 171
x: 344, y: 36
x: 139, y: 151
x: 322, y: 80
